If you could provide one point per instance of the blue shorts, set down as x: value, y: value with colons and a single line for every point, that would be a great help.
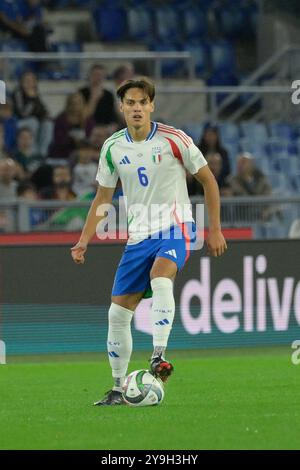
x: 133, y: 273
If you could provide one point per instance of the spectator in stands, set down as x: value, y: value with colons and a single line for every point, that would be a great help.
x: 3, y: 151
x: 214, y: 161
x: 249, y: 180
x: 97, y: 138
x: 99, y: 135
x: 8, y: 183
x: 210, y: 142
x: 61, y: 188
x: 8, y: 125
x: 100, y: 103
x: 8, y: 193
x: 42, y: 177
x: 23, y: 20
x: 27, y: 191
x: 122, y: 73
x: 70, y: 127
x: 24, y: 153
x: 84, y: 172
x: 31, y: 111
x: 215, y: 164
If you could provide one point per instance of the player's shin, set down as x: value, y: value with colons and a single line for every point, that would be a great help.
x: 162, y: 313
x: 119, y: 342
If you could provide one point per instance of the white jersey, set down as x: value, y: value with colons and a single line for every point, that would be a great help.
x: 153, y: 177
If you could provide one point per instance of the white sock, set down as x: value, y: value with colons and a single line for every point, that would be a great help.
x: 119, y: 342
x: 163, y: 310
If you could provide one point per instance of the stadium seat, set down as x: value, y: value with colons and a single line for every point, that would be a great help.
x: 235, y: 19
x: 222, y: 56
x: 295, y: 183
x: 252, y: 146
x: 110, y: 22
x: 195, y: 23
x: 254, y: 131
x: 199, y: 51
x: 69, y: 69
x: 287, y: 164
x: 169, y: 67
x: 15, y: 67
x: 223, y: 78
x: 166, y: 22
x: 194, y: 130
x: 139, y: 24
x: 277, y: 147
x: 282, y: 130
x: 10, y: 133
x: 262, y: 163
x: 229, y: 132
x: 279, y: 183
x: 233, y: 150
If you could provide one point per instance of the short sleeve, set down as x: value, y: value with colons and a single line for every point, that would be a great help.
x: 107, y: 174
x: 193, y: 159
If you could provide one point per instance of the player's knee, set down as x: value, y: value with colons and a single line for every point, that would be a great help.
x: 129, y: 301
x: 163, y: 268
x: 118, y: 314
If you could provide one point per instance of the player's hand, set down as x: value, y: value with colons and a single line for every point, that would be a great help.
x: 78, y: 252
x: 216, y: 243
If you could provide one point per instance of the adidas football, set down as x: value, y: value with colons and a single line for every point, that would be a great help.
x: 142, y: 389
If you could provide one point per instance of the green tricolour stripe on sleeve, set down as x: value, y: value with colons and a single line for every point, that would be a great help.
x: 109, y: 159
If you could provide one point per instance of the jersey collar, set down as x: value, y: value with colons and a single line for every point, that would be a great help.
x: 149, y: 136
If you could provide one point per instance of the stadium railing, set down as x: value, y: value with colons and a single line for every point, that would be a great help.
x: 282, y: 66
x: 144, y: 56
x: 269, y: 217
x: 232, y: 102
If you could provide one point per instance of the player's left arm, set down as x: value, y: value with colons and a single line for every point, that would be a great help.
x: 216, y: 242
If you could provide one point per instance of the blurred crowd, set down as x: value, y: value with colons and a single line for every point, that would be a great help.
x: 57, y: 159
x: 33, y: 147
x: 23, y: 20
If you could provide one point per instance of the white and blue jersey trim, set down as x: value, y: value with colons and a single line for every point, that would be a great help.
x: 154, y: 126
x: 151, y: 134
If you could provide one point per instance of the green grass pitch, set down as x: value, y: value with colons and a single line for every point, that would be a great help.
x: 234, y: 399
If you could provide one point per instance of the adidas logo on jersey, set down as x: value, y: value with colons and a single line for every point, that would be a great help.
x: 171, y: 253
x: 125, y: 160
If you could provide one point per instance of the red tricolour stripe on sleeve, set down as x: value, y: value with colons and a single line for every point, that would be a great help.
x: 180, y: 134
x: 175, y: 150
x: 185, y: 142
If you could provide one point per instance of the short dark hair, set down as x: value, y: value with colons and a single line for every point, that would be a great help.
x: 143, y: 83
x: 25, y: 186
x: 84, y: 144
x: 96, y: 67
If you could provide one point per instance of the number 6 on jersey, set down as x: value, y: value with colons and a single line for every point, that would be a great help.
x: 142, y: 177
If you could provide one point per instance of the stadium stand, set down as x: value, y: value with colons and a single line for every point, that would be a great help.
x: 214, y: 32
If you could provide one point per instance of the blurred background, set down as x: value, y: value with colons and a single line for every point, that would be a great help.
x: 223, y: 70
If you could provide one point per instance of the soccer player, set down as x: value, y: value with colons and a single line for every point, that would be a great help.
x: 151, y: 161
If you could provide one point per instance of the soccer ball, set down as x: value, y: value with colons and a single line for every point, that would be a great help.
x: 142, y: 389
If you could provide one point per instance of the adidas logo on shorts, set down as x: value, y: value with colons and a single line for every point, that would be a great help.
x: 171, y: 253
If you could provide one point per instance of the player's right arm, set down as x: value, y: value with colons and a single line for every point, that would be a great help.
x: 103, y: 196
